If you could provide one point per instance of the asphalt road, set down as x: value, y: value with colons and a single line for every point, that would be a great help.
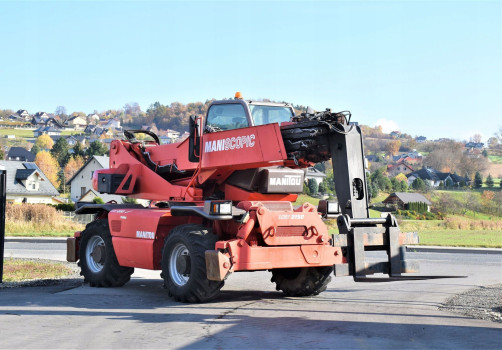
x: 250, y: 314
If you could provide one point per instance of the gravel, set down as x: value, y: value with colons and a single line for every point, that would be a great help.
x: 483, y: 303
x: 73, y: 279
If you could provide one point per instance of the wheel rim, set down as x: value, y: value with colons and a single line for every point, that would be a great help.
x: 94, y: 254
x: 179, y: 265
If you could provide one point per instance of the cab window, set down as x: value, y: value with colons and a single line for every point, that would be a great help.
x: 226, y: 117
x: 270, y: 114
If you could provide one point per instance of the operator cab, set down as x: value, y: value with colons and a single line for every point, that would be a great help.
x: 238, y: 113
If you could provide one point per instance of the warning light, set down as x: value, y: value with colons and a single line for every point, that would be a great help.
x: 238, y: 95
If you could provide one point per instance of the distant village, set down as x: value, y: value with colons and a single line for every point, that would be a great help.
x: 28, y: 184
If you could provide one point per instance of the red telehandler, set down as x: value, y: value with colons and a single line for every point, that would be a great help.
x: 221, y: 202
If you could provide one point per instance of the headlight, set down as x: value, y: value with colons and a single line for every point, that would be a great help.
x: 219, y: 207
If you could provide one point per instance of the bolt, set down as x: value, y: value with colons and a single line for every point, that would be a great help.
x: 321, y: 239
x: 261, y: 211
x: 226, y: 265
x: 240, y: 243
x: 316, y: 253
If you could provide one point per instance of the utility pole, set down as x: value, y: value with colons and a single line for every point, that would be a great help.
x: 3, y: 185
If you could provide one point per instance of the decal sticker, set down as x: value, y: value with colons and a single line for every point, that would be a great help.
x: 145, y: 234
x: 238, y: 142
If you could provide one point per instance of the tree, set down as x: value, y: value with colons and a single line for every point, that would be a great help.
x: 35, y: 149
x: 129, y: 200
x: 78, y: 150
x: 49, y: 166
x: 44, y: 142
x: 404, y: 186
x: 478, y: 180
x: 489, y: 181
x: 61, y: 111
x: 449, y: 183
x: 98, y: 200
x: 73, y: 165
x: 493, y: 142
x: 392, y: 147
x: 418, y: 185
x: 476, y: 138
x: 313, y: 187
x: 60, y: 151
x: 323, y: 186
x: 96, y: 148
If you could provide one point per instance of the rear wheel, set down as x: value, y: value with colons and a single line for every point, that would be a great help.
x: 98, y: 262
x: 184, y: 264
x: 301, y: 282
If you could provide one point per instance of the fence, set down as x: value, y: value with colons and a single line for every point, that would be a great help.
x: 80, y: 218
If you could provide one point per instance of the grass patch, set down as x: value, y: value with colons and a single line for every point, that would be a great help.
x: 495, y: 159
x: 462, y: 238
x: 303, y: 198
x: 17, y: 132
x: 17, y: 270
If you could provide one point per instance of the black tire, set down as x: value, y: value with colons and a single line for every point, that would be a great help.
x: 184, y: 264
x: 302, y: 282
x: 98, y: 262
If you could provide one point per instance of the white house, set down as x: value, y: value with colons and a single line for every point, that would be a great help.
x: 26, y: 183
x: 77, y: 122
x: 81, y: 183
x: 313, y: 173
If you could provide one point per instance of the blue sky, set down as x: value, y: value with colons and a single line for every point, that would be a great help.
x: 428, y: 68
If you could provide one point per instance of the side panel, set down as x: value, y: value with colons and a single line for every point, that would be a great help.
x: 138, y: 235
x: 243, y: 148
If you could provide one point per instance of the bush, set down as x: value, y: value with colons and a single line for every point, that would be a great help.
x: 37, y: 219
x: 39, y: 213
x: 65, y: 207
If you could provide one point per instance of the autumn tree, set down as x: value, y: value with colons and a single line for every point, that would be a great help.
x: 44, y: 142
x: 74, y: 164
x: 393, y: 146
x: 49, y: 166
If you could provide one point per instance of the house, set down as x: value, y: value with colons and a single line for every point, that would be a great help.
x: 89, y: 129
x: 54, y: 123
x: 77, y: 122
x: 434, y: 177
x: 41, y: 115
x: 172, y: 134
x: 113, y: 123
x: 20, y: 153
x: 81, y: 183
x: 421, y: 139
x: 26, y: 183
x: 373, y: 158
x: 82, y: 139
x: 39, y: 121
x: 72, y: 140
x: 93, y: 118
x: 23, y: 113
x: 399, y: 168
x: 49, y: 130
x: 395, y: 134
x: 474, y: 145
x: 403, y: 199
x: 313, y: 173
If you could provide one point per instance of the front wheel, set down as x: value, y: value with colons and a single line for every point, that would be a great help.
x: 184, y: 264
x: 98, y: 262
x: 301, y: 282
